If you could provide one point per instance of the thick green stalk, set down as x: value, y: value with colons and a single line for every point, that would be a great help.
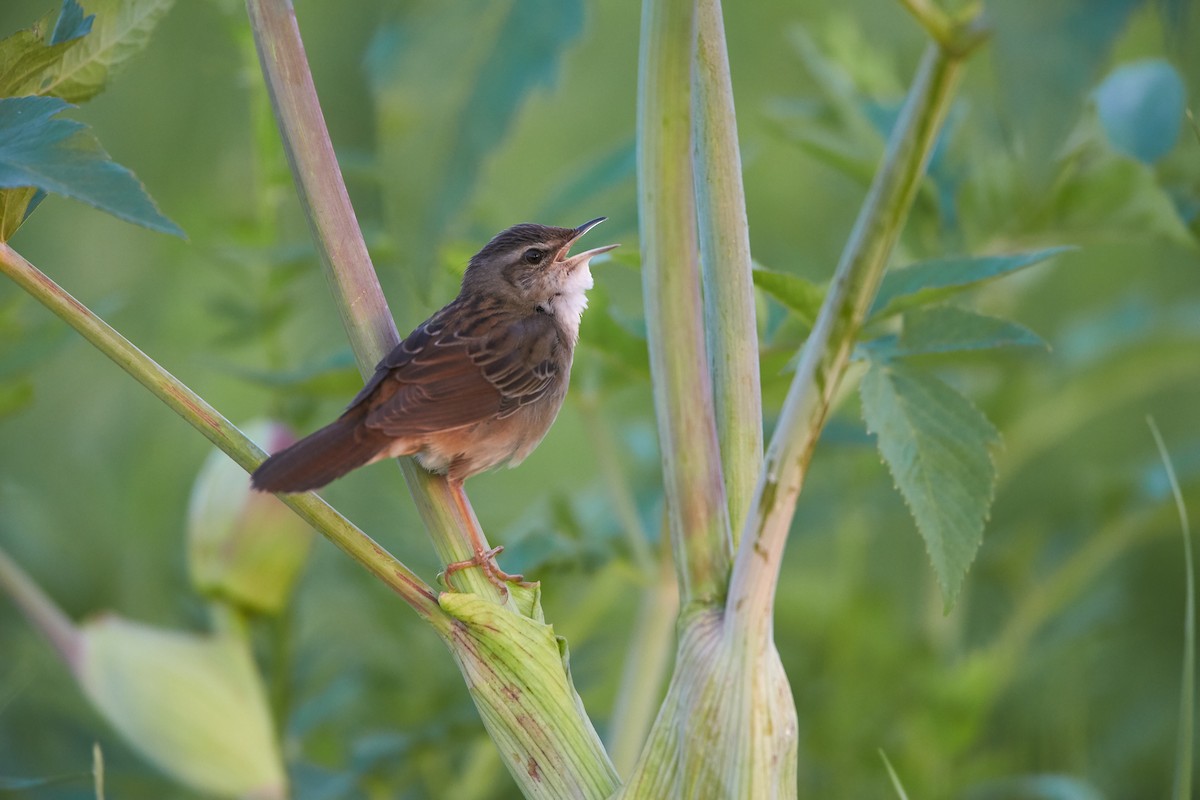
x: 732, y: 331
x: 674, y: 310
x: 220, y: 432
x: 514, y: 666
x: 826, y: 353
x: 348, y: 268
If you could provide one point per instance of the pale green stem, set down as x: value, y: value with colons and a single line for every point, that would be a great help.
x: 683, y: 396
x: 730, y: 325
x: 220, y: 432
x: 41, y: 611
x: 348, y: 268
x: 826, y: 353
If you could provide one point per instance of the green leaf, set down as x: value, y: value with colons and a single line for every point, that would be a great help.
x: 799, y: 295
x: 949, y: 329
x: 27, y: 57
x: 936, y: 445
x: 15, y: 207
x: 1141, y: 107
x: 63, y: 157
x: 930, y: 281
x: 71, y: 24
x: 121, y: 29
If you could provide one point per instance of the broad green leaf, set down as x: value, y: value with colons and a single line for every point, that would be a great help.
x: 121, y: 29
x: 63, y: 157
x: 930, y: 281
x: 1141, y: 107
x: 799, y: 295
x: 949, y: 329
x: 936, y: 445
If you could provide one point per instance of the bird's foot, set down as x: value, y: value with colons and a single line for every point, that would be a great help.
x: 485, y: 560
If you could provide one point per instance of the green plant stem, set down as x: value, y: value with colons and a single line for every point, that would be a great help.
x: 220, y: 432
x: 352, y: 278
x: 826, y: 353
x: 683, y: 397
x: 731, y: 327
x: 40, y: 610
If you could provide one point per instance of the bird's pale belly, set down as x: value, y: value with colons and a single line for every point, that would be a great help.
x: 472, y: 449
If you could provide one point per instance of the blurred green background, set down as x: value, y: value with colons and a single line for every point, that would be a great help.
x: 1057, y: 673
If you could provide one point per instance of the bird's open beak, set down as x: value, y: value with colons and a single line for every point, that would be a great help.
x: 574, y: 261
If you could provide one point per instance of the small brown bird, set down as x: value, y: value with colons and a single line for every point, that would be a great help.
x: 476, y: 385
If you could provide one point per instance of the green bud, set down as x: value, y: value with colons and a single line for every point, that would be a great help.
x: 193, y: 705
x: 244, y: 547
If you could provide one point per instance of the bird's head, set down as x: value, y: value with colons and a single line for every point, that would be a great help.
x: 531, y: 266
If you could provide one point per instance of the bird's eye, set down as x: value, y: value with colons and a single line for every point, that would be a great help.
x: 534, y: 256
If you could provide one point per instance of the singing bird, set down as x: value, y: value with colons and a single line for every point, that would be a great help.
x: 476, y: 385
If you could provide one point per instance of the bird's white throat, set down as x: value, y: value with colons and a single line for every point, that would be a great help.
x: 568, y: 306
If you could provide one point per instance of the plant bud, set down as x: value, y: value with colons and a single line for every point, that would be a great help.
x: 194, y: 705
x: 244, y: 547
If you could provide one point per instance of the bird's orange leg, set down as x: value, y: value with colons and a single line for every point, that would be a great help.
x: 485, y: 557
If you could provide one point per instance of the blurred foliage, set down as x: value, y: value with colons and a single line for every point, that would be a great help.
x: 1056, y: 674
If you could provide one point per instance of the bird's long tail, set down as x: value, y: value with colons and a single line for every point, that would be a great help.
x: 320, y: 457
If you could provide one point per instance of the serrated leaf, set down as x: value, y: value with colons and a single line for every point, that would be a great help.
x: 25, y: 60
x: 799, y: 295
x: 15, y: 205
x: 71, y: 23
x: 930, y: 281
x: 949, y: 329
x: 121, y: 30
x: 936, y: 445
x: 63, y: 157
x: 1141, y: 107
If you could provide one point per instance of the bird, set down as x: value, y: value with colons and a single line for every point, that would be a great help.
x: 474, y: 387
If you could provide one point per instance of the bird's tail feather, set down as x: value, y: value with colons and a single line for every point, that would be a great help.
x: 320, y: 457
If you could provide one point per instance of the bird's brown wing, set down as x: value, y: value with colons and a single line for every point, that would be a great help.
x: 447, y: 375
